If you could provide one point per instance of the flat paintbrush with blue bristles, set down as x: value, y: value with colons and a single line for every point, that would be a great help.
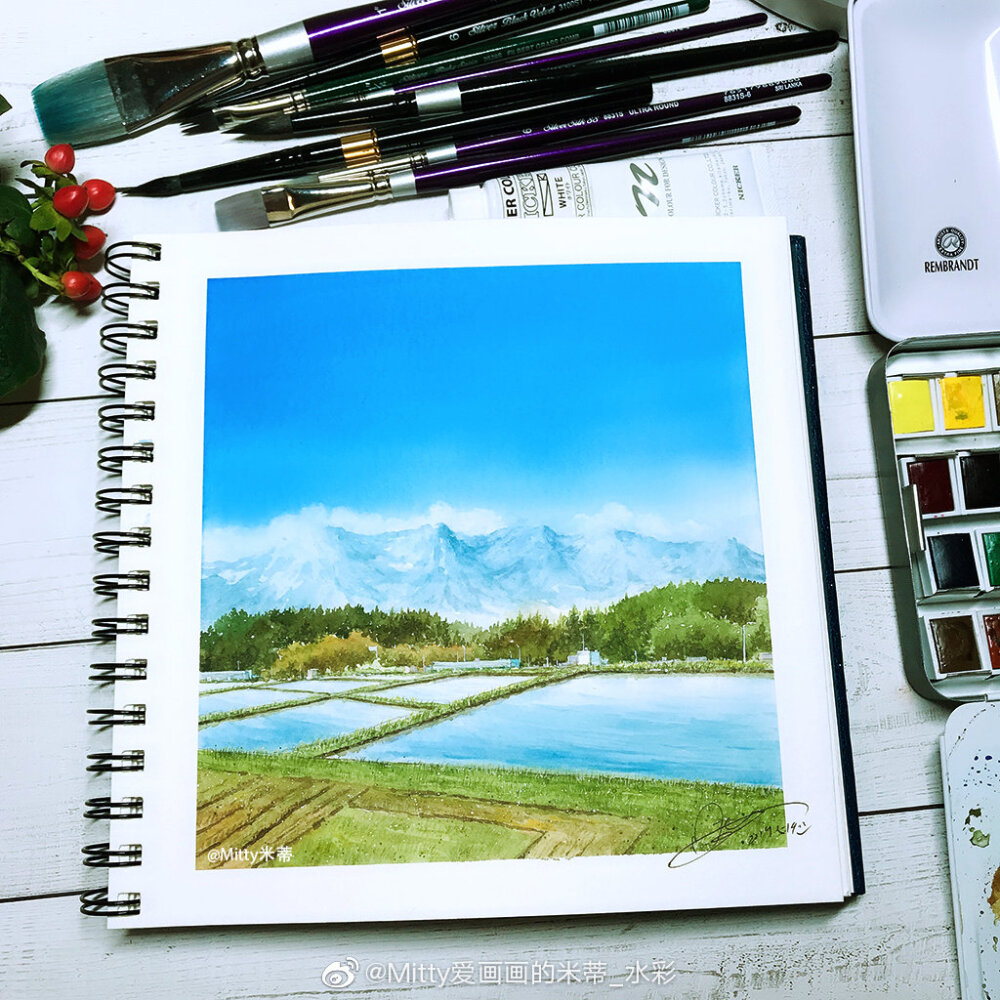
x: 117, y: 97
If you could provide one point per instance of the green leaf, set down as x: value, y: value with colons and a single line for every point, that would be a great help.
x: 13, y: 204
x: 63, y: 227
x: 30, y: 184
x: 21, y: 231
x: 45, y: 217
x: 22, y: 344
x: 63, y: 258
x: 15, y: 218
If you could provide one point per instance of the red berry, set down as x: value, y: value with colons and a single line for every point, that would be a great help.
x: 76, y: 284
x: 92, y: 293
x: 71, y: 201
x: 60, y: 158
x: 90, y: 246
x: 102, y: 194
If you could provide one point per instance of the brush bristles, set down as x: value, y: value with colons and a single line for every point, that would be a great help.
x: 240, y: 212
x: 78, y: 107
x: 267, y: 125
x: 198, y: 121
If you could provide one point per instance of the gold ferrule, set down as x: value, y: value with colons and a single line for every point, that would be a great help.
x: 399, y: 47
x: 360, y: 149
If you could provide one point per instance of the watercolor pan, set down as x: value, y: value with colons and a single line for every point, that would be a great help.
x: 991, y: 551
x: 962, y: 402
x: 955, y: 644
x: 911, y: 405
x: 991, y: 626
x: 932, y: 479
x: 953, y: 560
x: 981, y: 480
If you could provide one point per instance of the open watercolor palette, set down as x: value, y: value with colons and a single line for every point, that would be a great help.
x: 944, y: 426
x: 930, y: 285
x: 928, y: 195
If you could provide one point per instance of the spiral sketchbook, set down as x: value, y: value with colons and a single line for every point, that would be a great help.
x: 466, y: 570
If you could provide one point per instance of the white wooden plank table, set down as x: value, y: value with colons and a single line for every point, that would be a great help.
x: 897, y: 940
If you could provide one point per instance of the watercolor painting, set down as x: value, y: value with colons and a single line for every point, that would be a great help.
x: 482, y: 569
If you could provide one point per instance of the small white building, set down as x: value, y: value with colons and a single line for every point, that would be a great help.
x: 587, y: 658
x: 470, y: 665
x: 228, y: 676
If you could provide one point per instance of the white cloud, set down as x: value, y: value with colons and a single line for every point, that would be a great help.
x: 618, y: 517
x: 722, y: 514
x: 729, y: 515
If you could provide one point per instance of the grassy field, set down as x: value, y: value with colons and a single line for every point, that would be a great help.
x: 360, y: 812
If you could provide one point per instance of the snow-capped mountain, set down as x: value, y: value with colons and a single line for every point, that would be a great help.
x: 475, y: 578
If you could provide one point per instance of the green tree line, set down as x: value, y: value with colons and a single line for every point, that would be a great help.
x: 677, y: 621
x: 242, y: 641
x: 673, y: 622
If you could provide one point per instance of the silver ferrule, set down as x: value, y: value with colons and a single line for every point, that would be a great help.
x: 289, y: 203
x: 285, y: 48
x: 229, y: 116
x: 149, y: 86
x: 441, y: 99
x: 402, y: 185
x: 440, y: 154
x: 416, y: 159
x: 382, y: 94
x: 404, y: 161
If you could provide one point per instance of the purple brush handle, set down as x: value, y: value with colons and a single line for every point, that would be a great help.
x: 606, y: 50
x: 331, y: 35
x: 606, y: 148
x: 603, y: 123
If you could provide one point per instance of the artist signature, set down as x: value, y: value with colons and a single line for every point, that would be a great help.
x: 712, y: 828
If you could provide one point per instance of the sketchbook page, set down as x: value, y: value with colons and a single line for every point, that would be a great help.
x: 510, y: 597
x: 972, y: 813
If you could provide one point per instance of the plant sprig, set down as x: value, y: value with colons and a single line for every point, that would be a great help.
x: 41, y: 242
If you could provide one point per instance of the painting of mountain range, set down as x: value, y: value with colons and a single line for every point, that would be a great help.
x: 477, y: 578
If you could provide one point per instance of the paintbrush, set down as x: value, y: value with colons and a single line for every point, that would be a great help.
x: 446, y: 97
x: 119, y: 96
x: 277, y: 205
x: 527, y: 100
x: 468, y: 141
x: 318, y: 86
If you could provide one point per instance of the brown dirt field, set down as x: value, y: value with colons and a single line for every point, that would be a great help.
x: 243, y: 811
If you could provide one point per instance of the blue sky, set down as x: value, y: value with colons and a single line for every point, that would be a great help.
x: 540, y: 394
